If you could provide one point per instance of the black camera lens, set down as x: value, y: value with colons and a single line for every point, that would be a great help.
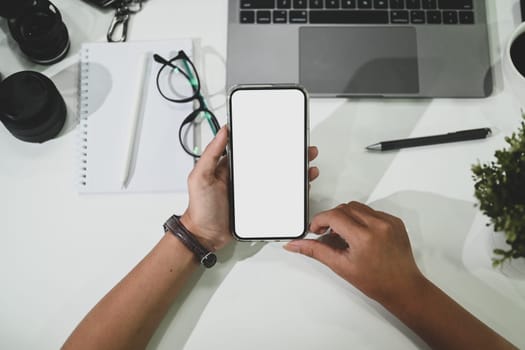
x: 31, y: 107
x: 40, y: 32
x: 36, y: 23
x: 517, y: 53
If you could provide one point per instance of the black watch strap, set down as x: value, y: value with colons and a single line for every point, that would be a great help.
x: 175, y: 226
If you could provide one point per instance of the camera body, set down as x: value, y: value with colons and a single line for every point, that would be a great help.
x: 37, y: 27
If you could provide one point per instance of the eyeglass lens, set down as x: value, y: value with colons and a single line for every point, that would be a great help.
x: 178, y: 81
x: 195, y: 136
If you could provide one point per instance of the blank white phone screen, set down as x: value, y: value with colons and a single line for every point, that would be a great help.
x: 268, y: 150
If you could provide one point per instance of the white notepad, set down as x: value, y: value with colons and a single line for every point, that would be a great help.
x: 109, y: 86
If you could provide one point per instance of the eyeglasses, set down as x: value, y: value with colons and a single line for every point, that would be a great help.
x: 179, y: 82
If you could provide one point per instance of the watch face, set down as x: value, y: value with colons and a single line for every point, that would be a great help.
x: 209, y: 260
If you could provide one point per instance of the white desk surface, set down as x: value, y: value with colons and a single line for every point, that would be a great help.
x: 61, y: 252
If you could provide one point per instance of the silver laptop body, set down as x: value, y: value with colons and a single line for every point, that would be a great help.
x: 400, y: 54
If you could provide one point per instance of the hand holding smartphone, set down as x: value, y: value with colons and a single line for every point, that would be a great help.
x: 268, y: 161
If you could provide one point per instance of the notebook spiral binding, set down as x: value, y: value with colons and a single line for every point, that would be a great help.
x: 83, y: 114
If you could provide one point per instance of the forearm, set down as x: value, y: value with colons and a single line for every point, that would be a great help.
x: 441, y: 322
x: 128, y: 315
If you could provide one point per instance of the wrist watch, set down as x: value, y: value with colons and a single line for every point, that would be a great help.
x: 204, y: 256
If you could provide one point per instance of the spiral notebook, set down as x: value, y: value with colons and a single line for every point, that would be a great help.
x: 112, y: 77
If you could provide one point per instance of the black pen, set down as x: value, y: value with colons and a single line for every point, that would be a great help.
x: 464, y: 135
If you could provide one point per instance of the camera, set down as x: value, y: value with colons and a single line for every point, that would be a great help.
x: 37, y: 27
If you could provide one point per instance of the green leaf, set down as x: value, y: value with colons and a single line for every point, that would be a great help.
x: 499, y: 186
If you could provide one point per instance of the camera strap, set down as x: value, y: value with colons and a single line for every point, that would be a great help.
x: 124, y: 9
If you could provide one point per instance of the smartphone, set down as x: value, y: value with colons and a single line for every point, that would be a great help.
x: 268, y: 156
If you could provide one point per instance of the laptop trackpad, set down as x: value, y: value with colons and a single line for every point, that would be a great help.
x: 358, y: 60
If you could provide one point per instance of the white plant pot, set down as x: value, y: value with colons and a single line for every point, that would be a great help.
x: 478, y: 250
x: 514, y: 268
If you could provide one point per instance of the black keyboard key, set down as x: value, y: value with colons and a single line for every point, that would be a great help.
x: 316, y: 4
x: 456, y: 4
x: 413, y: 4
x: 349, y: 17
x: 298, y: 16
x: 429, y: 4
x: 364, y: 4
x: 299, y: 4
x: 284, y: 4
x: 247, y: 17
x: 450, y: 17
x: 397, y: 4
x: 257, y: 4
x: 264, y: 17
x: 348, y: 4
x: 380, y: 4
x: 399, y: 17
x: 466, y: 17
x: 434, y: 17
x: 417, y: 17
x: 280, y: 16
x: 332, y: 4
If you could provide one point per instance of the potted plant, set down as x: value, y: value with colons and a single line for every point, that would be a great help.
x: 500, y: 190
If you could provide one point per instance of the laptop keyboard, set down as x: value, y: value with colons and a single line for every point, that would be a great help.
x: 357, y: 11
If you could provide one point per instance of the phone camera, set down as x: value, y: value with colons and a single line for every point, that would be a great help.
x: 37, y: 27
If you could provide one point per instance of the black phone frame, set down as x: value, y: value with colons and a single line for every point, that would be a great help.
x: 306, y: 161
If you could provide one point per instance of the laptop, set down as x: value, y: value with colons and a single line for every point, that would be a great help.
x: 348, y: 48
